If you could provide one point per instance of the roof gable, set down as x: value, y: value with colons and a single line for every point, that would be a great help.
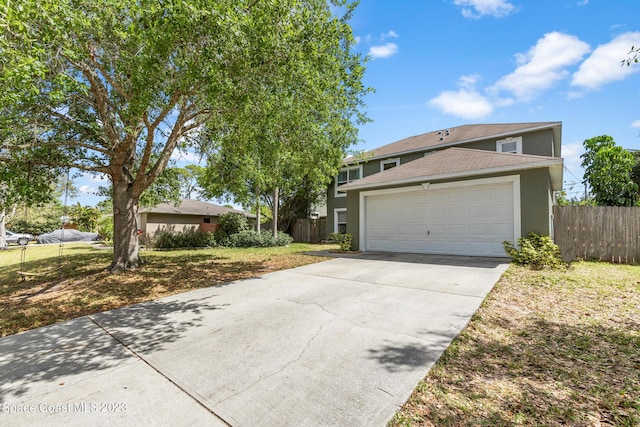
x: 455, y: 136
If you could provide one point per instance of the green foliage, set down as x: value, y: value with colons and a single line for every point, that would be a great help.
x: 253, y: 239
x: 221, y: 237
x: 33, y: 227
x: 608, y: 170
x: 85, y: 217
x: 172, y: 185
x: 181, y: 240
x: 536, y: 251
x: 105, y: 228
x: 199, y: 239
x: 344, y: 239
x: 229, y: 224
x: 39, y: 219
x: 301, y: 117
x: 24, y: 182
x: 232, y: 223
x: 562, y: 200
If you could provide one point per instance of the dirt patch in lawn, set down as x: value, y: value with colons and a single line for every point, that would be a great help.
x: 546, y: 348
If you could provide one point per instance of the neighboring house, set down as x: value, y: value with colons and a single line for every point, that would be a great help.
x: 460, y: 191
x: 188, y: 215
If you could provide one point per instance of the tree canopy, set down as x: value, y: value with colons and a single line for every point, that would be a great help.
x: 118, y: 85
x: 300, y: 119
x: 608, y: 171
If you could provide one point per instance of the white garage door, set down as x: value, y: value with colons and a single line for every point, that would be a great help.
x: 461, y: 220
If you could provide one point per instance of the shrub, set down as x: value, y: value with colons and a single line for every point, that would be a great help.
x: 535, y: 251
x: 147, y: 240
x: 232, y: 223
x: 344, y: 239
x: 283, y: 239
x: 253, y: 239
x: 185, y: 239
x: 34, y: 226
x: 105, y: 228
x: 221, y: 237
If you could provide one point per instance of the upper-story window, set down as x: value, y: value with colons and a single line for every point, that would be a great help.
x: 509, y: 145
x: 389, y: 163
x: 345, y: 176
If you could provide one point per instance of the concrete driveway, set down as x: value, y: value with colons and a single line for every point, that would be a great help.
x: 342, y: 342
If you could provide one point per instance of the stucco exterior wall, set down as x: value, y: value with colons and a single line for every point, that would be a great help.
x: 152, y: 222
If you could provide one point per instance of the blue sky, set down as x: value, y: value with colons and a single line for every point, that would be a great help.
x: 442, y: 63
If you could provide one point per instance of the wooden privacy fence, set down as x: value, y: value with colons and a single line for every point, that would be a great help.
x: 606, y: 233
x: 308, y: 230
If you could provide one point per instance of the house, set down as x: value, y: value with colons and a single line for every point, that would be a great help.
x: 188, y: 215
x: 459, y: 191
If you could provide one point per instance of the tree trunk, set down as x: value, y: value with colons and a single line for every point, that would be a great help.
x: 3, y: 230
x: 275, y: 214
x: 258, y: 214
x: 125, y: 229
x: 3, y: 225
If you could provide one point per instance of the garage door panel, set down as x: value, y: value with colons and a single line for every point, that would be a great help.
x: 472, y: 220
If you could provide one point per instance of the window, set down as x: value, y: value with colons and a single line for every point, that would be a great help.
x: 340, y: 220
x: 388, y: 164
x: 207, y: 220
x: 345, y: 176
x: 509, y: 145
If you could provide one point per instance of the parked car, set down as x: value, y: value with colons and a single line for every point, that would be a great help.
x: 67, y: 236
x: 19, y: 238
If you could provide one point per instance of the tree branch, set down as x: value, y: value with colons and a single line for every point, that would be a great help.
x: 248, y: 8
x: 108, y: 78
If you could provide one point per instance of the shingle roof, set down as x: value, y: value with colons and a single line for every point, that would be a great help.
x: 454, y: 136
x: 453, y: 162
x: 192, y: 207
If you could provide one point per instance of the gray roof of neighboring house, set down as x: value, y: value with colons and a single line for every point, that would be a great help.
x: 456, y: 136
x: 193, y: 207
x: 458, y: 162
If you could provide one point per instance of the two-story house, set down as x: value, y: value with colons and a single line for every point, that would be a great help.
x: 460, y: 191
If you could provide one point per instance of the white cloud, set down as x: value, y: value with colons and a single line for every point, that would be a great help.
x: 99, y: 178
x: 604, y: 64
x: 383, y: 51
x: 469, y: 81
x: 186, y: 156
x: 465, y: 103
x: 636, y: 124
x: 86, y: 189
x: 543, y: 65
x: 358, y: 39
x: 477, y: 8
x: 389, y: 34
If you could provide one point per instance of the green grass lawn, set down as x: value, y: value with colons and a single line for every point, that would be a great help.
x: 82, y: 286
x: 546, y: 348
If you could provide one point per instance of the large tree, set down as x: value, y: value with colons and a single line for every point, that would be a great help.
x: 608, y: 171
x: 300, y: 120
x: 119, y: 84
